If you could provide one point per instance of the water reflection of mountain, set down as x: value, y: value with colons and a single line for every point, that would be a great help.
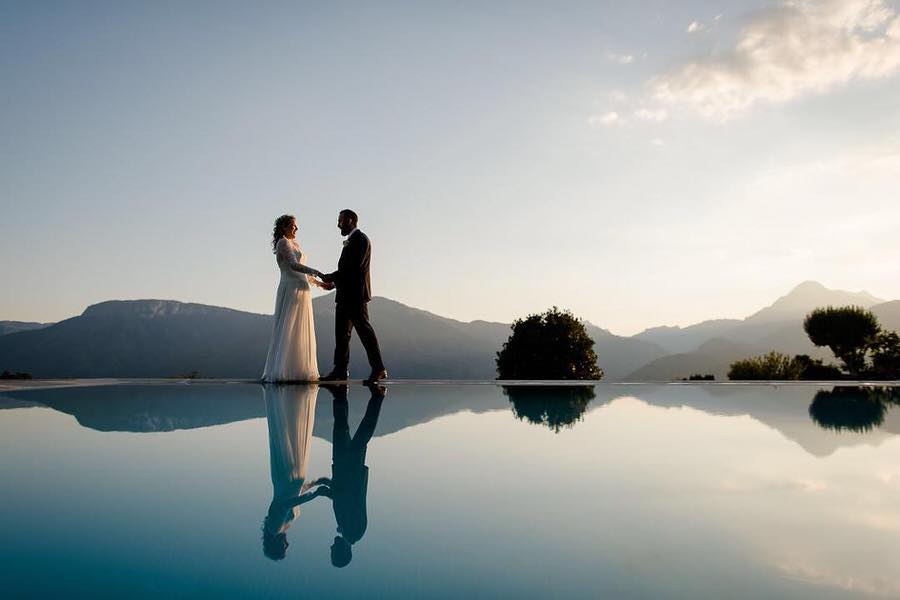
x: 156, y: 408
x: 147, y: 408
x: 784, y: 408
x: 152, y: 408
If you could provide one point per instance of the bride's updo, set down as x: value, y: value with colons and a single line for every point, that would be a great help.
x: 281, y: 226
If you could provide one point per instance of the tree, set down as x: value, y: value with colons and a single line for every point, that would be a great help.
x: 773, y: 365
x: 886, y: 355
x: 847, y: 330
x: 550, y: 345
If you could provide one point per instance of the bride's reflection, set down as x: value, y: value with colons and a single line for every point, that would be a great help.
x: 290, y: 412
x: 349, y: 481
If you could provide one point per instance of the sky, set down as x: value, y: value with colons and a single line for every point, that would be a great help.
x: 641, y: 163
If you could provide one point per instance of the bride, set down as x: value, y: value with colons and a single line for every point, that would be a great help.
x: 292, y: 349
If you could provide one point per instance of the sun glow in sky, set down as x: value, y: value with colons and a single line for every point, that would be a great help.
x: 641, y: 163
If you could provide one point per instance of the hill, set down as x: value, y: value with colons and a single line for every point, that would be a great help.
x: 165, y: 338
x: 711, y: 346
x: 16, y: 326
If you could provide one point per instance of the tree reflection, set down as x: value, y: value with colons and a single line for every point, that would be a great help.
x: 858, y: 409
x: 556, y: 407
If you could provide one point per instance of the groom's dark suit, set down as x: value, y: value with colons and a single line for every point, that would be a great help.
x: 351, y: 309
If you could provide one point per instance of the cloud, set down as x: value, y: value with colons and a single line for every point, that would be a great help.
x: 695, y: 27
x: 622, y: 59
x: 798, y: 48
x: 606, y: 119
x: 656, y: 115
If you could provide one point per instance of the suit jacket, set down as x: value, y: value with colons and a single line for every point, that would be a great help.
x: 352, y: 277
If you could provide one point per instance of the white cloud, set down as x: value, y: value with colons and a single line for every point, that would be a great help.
x: 656, y: 115
x: 606, y: 119
x: 797, y: 48
x: 622, y: 59
x: 695, y: 27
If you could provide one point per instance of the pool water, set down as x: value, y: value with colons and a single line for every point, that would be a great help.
x: 451, y: 490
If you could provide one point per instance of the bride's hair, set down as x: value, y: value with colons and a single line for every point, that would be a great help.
x: 281, y: 225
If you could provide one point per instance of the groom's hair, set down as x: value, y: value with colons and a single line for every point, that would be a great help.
x: 350, y: 215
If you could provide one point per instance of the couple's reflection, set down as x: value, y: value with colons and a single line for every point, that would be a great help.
x: 290, y: 412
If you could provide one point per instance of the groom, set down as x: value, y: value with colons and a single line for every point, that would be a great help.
x: 353, y: 294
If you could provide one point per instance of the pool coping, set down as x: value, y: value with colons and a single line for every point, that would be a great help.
x: 15, y: 385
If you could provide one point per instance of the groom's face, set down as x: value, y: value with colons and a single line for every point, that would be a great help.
x: 345, y: 224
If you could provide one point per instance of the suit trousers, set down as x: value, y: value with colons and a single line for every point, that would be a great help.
x: 348, y: 316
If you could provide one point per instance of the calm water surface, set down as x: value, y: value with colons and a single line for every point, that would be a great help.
x: 680, y: 491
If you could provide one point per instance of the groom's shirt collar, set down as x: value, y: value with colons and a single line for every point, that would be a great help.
x: 352, y: 232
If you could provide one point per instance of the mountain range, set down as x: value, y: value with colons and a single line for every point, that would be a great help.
x: 166, y: 338
x: 14, y: 326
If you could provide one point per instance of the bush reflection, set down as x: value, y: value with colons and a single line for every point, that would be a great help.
x: 555, y: 407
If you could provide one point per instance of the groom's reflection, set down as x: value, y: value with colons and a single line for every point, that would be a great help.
x: 349, y: 481
x: 290, y: 412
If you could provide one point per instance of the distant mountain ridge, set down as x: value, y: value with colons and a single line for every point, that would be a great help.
x: 711, y: 346
x: 16, y: 326
x: 167, y: 338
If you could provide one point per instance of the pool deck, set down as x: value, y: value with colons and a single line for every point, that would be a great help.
x: 10, y: 385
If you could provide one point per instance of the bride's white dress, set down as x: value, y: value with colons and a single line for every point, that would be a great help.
x: 292, y: 349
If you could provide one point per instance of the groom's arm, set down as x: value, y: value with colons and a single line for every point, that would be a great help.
x: 351, y: 255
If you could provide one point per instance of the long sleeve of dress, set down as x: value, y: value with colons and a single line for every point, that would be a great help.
x: 284, y: 252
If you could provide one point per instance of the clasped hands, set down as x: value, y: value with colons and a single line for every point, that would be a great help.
x: 324, y: 281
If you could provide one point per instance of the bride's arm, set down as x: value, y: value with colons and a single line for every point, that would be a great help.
x: 284, y: 252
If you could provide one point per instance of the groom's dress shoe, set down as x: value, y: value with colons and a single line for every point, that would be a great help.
x: 375, y: 376
x: 336, y: 376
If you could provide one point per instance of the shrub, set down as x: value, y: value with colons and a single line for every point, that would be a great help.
x: 773, y: 365
x: 550, y: 345
x: 17, y: 375
x: 815, y: 369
